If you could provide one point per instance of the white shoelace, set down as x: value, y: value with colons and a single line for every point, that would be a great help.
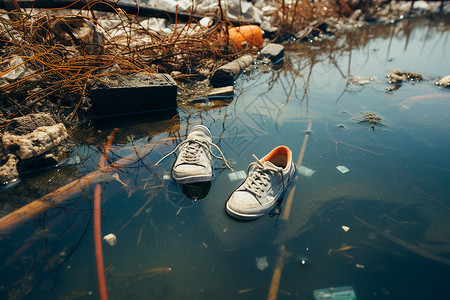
x: 259, y: 179
x: 190, y: 155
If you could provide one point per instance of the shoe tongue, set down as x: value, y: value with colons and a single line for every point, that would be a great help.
x: 270, y: 164
x: 197, y: 134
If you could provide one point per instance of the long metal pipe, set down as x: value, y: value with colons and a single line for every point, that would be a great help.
x: 105, y: 6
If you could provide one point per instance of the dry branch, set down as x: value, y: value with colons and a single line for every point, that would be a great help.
x: 70, y: 190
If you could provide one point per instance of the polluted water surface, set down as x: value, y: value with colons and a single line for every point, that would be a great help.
x: 174, y: 242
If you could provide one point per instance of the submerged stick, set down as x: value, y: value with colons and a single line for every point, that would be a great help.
x: 71, y: 189
x: 52, y: 199
x: 349, y: 145
x: 98, y: 244
x: 429, y: 197
x: 287, y: 208
x: 137, y: 213
x: 404, y: 244
x: 100, y: 266
x: 276, y: 277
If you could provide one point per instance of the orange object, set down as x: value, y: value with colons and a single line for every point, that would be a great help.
x: 246, y: 36
x: 98, y: 226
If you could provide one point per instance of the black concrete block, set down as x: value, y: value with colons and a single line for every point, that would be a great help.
x: 133, y: 93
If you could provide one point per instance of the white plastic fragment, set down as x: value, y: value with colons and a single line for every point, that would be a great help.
x: 237, y: 175
x: 116, y: 177
x: 262, y: 263
x: 304, y: 171
x: 342, y: 169
x: 345, y: 228
x: 110, y: 239
x: 206, y: 22
x: 73, y: 160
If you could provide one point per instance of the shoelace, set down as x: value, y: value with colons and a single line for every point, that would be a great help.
x: 190, y: 155
x: 260, y: 177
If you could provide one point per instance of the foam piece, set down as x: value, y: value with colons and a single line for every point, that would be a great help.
x: 41, y: 140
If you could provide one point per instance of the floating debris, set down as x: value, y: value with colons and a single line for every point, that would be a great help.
x: 304, y: 171
x: 341, y: 251
x: 444, y: 82
x: 246, y: 290
x: 360, y: 80
x: 262, y: 263
x: 398, y: 76
x: 372, y: 119
x: 110, y: 239
x: 116, y: 177
x: 237, y: 175
x: 343, y: 292
x: 345, y: 228
x: 359, y: 266
x: 342, y: 169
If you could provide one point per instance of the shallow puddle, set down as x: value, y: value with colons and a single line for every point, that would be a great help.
x: 369, y: 207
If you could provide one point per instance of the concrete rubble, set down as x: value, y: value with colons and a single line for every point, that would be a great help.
x: 41, y: 140
x: 30, y: 142
x: 274, y: 52
x: 8, y: 171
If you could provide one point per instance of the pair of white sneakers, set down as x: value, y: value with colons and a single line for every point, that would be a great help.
x: 266, y: 181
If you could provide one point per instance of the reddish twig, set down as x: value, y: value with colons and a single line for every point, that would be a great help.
x: 98, y: 227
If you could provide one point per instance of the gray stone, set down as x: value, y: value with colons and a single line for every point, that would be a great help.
x: 133, y: 93
x: 274, y: 52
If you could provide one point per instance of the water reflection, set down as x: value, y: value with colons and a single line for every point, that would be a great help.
x: 393, y: 199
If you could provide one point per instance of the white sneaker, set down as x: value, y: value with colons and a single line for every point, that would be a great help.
x: 194, y: 160
x: 266, y: 183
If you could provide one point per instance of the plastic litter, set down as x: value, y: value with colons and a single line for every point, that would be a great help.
x: 335, y: 293
x: 246, y: 36
x: 262, y: 263
x: 345, y: 228
x: 110, y: 239
x: 304, y: 171
x: 73, y: 160
x: 237, y: 175
x: 233, y: 9
x: 342, y: 169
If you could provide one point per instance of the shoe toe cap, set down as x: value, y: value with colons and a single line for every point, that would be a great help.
x: 243, y: 203
x: 191, y: 171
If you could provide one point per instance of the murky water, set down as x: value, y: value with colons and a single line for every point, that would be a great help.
x: 394, y: 198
